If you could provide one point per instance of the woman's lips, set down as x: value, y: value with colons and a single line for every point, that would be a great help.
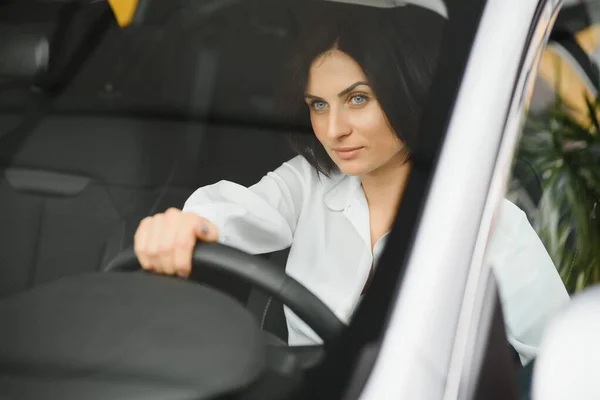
x: 348, y: 153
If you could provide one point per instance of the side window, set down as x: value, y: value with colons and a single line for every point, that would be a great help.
x: 548, y: 236
x: 556, y: 177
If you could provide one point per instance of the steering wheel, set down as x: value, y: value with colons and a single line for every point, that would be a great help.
x: 258, y: 272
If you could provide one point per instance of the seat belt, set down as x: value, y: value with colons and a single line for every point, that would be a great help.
x: 12, y: 141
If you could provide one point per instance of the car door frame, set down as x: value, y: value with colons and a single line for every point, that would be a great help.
x: 479, y: 323
x: 436, y: 335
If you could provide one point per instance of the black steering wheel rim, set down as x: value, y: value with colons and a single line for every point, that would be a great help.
x: 261, y: 274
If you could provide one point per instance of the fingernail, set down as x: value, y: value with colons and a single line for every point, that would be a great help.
x: 204, y: 229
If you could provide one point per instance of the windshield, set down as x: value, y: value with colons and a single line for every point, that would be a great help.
x: 269, y: 120
x: 110, y: 124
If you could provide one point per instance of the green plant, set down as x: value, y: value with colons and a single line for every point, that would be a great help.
x: 565, y: 155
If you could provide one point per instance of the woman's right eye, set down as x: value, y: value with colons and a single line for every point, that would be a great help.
x: 318, y: 105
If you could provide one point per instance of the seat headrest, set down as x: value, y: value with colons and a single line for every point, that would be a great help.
x: 24, y: 55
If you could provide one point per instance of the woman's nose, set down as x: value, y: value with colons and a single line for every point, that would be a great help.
x: 338, y: 124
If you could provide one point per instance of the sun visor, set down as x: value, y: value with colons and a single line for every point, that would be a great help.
x: 23, y: 55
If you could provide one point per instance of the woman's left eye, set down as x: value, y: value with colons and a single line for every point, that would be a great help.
x: 358, y: 99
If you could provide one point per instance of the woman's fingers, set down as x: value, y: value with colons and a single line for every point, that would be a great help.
x: 165, y: 242
x: 191, y: 229
x: 184, y: 244
x: 154, y: 241
x: 140, y: 242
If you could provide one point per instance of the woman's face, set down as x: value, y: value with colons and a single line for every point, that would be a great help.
x: 347, y: 118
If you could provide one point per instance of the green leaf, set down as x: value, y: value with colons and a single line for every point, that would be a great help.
x: 566, y: 154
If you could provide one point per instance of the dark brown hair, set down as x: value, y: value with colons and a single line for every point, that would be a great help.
x: 397, y: 50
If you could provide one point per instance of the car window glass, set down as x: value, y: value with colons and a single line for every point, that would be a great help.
x: 118, y: 123
x: 555, y: 183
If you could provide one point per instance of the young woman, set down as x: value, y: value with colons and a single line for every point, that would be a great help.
x: 362, y: 79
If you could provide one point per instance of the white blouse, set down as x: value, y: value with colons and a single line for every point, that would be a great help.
x: 326, y: 223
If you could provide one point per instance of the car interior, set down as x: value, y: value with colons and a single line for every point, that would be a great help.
x: 80, y: 178
x: 106, y: 167
x: 101, y: 126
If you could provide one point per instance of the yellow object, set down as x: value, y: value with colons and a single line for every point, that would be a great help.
x: 561, y: 75
x: 556, y: 71
x: 588, y: 38
x: 124, y: 10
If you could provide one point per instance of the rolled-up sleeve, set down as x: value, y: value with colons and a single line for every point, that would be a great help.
x: 530, y: 287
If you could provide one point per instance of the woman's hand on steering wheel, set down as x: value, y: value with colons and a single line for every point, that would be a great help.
x: 164, y: 243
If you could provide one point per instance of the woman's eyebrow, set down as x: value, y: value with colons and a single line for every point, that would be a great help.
x: 340, y: 94
x: 351, y: 88
x: 312, y: 97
